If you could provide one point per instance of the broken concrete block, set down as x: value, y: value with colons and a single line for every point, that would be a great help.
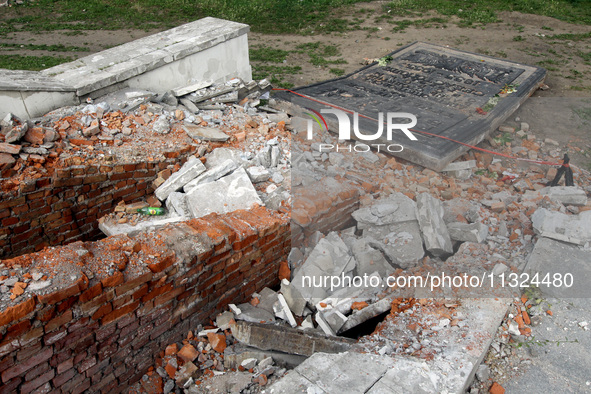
x: 177, y: 202
x: 330, y: 258
x: 264, y: 157
x: 307, y: 323
x: 267, y: 298
x: 234, y: 355
x: 204, y: 133
x: 282, y: 311
x: 363, y: 315
x: 220, y: 155
x: 16, y: 133
x: 253, y: 314
x: 335, y: 319
x: 293, y: 297
x: 227, y: 194
x: 287, y: 339
x: 225, y: 320
x: 574, y: 229
x: 566, y: 195
x: 189, y: 171
x: 391, y: 226
x: 553, y: 259
x: 464, y: 232
x: 249, y: 363
x: 258, y: 174
x: 323, y: 325
x: 181, y: 91
x: 434, y: 230
x: 212, y: 174
x: 369, y: 260
x: 460, y: 170
x: 396, y: 208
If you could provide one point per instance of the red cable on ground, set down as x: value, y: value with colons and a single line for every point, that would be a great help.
x: 427, y: 133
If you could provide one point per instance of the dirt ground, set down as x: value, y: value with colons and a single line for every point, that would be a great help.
x: 562, y: 113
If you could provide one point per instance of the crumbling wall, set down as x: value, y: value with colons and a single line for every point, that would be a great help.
x: 112, y: 305
x: 64, y: 207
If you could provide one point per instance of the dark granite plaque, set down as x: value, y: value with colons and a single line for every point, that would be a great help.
x: 449, y: 91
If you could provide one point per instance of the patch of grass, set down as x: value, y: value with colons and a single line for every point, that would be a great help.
x: 547, y: 28
x: 418, y: 23
x: 518, y: 38
x: 43, y: 47
x: 337, y: 71
x: 502, y: 54
x: 274, y: 74
x: 570, y: 36
x: 520, y: 28
x: 265, y: 16
x: 267, y: 54
x: 319, y: 52
x: 34, y: 63
x: 478, y: 12
x: 586, y: 56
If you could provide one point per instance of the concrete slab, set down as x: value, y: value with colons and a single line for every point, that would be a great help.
x: 227, y: 194
x: 287, y: 339
x: 433, y: 228
x: 442, y: 87
x: 575, y: 229
x: 189, y: 171
x: 562, y: 269
x: 344, y: 372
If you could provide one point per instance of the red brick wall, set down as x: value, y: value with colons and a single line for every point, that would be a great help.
x: 324, y: 206
x: 64, y: 207
x: 101, y: 329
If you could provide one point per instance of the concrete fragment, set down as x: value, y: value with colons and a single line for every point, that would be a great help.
x: 161, y: 125
x: 177, y: 202
x: 369, y: 260
x: 323, y: 325
x: 574, y: 229
x: 249, y: 363
x: 189, y: 171
x: 390, y: 225
x: 288, y: 340
x: 258, y: 174
x: 253, y: 314
x: 224, y: 320
x: 212, y: 174
x: 267, y: 298
x: 363, y: 315
x: 225, y: 195
x: 499, y: 268
x: 204, y: 133
x: 293, y: 297
x: 181, y: 91
x: 335, y: 319
x: 330, y: 257
x: 307, y: 323
x: 220, y: 155
x: 464, y: 232
x: 433, y: 228
x: 562, y: 269
x: 566, y: 195
x: 234, y: 355
x: 16, y: 133
x: 282, y: 311
x: 460, y: 165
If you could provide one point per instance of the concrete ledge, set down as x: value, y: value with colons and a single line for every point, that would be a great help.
x: 207, y: 49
